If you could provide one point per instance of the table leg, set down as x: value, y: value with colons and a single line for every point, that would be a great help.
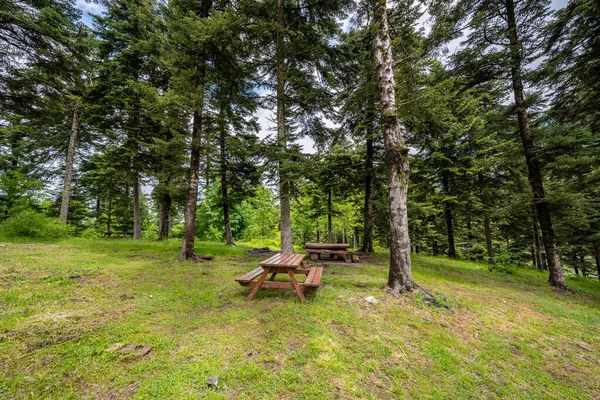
x: 258, y: 284
x: 296, y: 285
x: 272, y: 278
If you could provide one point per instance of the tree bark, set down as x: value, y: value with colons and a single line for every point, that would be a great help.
x: 557, y: 277
x: 109, y: 215
x: 449, y: 219
x: 597, y: 257
x: 539, y: 259
x: 285, y: 220
x: 367, y: 246
x: 488, y: 239
x: 137, y: 220
x: 223, y: 173
x: 164, y: 223
x: 329, y: 224
x: 66, y: 192
x: 396, y: 154
x: 189, y: 229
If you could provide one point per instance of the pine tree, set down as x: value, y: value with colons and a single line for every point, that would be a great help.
x: 504, y: 39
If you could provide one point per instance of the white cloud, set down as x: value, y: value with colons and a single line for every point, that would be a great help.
x: 89, y: 7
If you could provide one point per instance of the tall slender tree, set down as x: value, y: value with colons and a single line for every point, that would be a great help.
x: 396, y: 153
x: 504, y: 38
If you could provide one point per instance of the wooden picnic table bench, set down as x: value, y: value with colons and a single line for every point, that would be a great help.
x: 318, y: 250
x: 293, y: 265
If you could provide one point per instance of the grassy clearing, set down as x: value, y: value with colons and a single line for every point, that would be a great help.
x: 62, y: 304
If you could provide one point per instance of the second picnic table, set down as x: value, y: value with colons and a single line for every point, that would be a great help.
x: 340, y: 250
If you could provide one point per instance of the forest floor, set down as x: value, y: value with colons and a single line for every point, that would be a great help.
x: 63, y: 304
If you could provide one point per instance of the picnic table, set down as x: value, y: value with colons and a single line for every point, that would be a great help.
x: 340, y: 250
x: 290, y: 264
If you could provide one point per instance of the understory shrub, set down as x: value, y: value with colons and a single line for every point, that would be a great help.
x: 29, y: 223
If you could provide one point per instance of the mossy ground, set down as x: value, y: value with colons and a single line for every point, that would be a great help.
x: 63, y: 303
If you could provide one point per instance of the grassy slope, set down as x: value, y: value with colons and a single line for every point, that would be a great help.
x: 61, y: 304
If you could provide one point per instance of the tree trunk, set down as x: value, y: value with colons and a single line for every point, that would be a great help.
x: 189, y: 229
x: 164, y: 224
x: 137, y: 220
x: 367, y: 246
x: 66, y: 192
x: 597, y: 257
x: 488, y: 239
x: 449, y: 220
x: 396, y: 154
x: 285, y: 220
x: 557, y: 277
x: 109, y: 215
x: 539, y: 259
x: 329, y: 224
x: 223, y: 173
x: 435, y: 248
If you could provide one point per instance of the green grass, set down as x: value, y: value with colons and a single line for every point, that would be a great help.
x: 63, y: 303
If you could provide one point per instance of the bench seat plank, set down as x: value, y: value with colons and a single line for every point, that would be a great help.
x: 250, y: 276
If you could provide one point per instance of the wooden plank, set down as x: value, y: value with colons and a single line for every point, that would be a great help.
x: 274, y: 285
x: 271, y: 260
x: 331, y: 246
x: 250, y: 275
x: 315, y: 251
x: 314, y: 277
x: 297, y: 287
x: 284, y: 270
x: 258, y: 284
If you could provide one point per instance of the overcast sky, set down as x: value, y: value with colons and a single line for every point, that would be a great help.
x: 265, y: 116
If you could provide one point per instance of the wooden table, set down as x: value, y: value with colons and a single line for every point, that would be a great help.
x: 292, y: 264
x: 317, y: 250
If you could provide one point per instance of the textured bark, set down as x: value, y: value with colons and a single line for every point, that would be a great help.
x: 449, y: 219
x: 557, y: 278
x: 189, y: 229
x: 539, y: 258
x: 329, y: 224
x: 164, y: 222
x: 189, y: 224
x: 597, y: 257
x: 367, y: 246
x: 396, y: 154
x: 488, y: 239
x: 137, y: 219
x: 223, y: 174
x: 66, y: 192
x: 285, y: 220
x: 109, y: 215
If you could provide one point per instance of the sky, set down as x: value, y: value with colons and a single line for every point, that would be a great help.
x: 266, y: 116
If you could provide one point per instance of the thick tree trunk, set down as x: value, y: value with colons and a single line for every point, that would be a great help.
x: 223, y: 174
x: 164, y: 223
x: 66, y: 192
x: 189, y: 225
x: 137, y: 219
x: 189, y: 228
x: 329, y: 224
x: 557, y: 277
x: 396, y: 154
x: 285, y: 220
x: 367, y: 246
x: 488, y: 239
x: 449, y: 219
